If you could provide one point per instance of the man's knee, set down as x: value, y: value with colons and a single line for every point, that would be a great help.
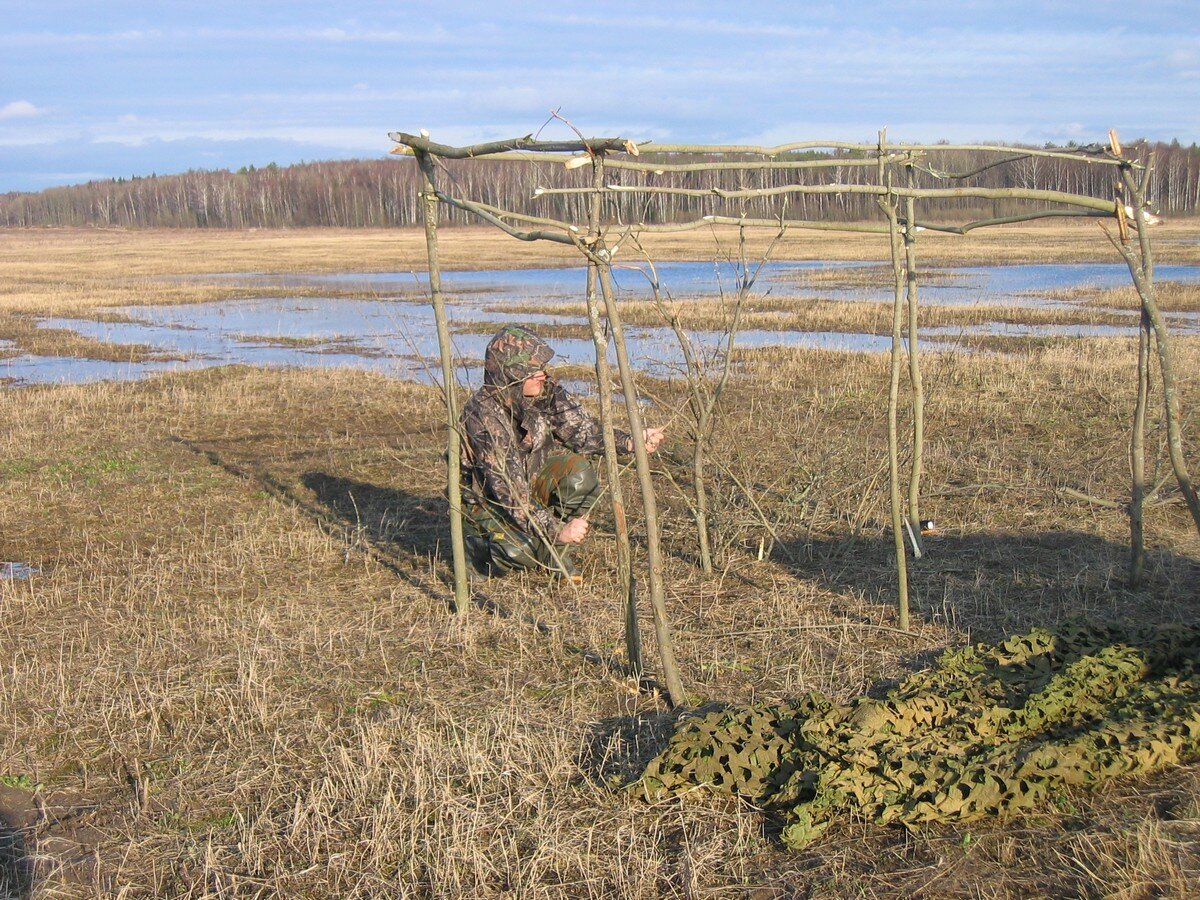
x: 580, y: 484
x: 568, y: 482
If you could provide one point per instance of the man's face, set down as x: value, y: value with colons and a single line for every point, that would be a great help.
x: 532, y: 386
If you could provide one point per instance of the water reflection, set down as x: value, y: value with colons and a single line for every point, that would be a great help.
x: 17, y: 571
x: 682, y: 279
x: 1020, y: 285
x: 27, y: 369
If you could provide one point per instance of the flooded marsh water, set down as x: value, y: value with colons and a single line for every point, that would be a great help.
x: 390, y: 328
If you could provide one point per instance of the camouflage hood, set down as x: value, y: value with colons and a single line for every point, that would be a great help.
x: 513, y: 355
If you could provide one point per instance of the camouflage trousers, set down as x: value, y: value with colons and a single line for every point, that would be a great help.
x: 567, y: 486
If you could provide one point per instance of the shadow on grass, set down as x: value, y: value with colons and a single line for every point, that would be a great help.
x: 385, y: 516
x: 617, y: 749
x: 388, y: 517
x: 380, y: 521
x: 998, y: 583
x: 326, y: 516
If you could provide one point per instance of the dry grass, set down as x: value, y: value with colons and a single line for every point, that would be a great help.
x: 1171, y: 297
x: 237, y: 674
x: 253, y: 620
x: 45, y: 269
x: 53, y: 271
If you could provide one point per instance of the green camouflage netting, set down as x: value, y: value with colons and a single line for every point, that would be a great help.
x: 989, y: 731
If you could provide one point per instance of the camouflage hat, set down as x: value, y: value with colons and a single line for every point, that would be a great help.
x: 514, y: 354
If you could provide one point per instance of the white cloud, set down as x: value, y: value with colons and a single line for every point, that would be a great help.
x: 19, y: 109
x: 358, y: 139
x: 1184, y: 61
x: 60, y: 39
x: 157, y: 36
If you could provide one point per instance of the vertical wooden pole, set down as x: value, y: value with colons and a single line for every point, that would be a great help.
x: 1143, y: 279
x: 703, y: 418
x: 1137, y: 457
x: 625, y: 576
x: 898, y: 521
x: 914, y: 366
x: 453, y: 447
x: 662, y: 630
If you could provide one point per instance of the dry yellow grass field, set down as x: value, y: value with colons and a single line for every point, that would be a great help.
x: 237, y: 672
x: 55, y: 269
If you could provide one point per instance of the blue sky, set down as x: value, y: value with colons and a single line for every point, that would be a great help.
x: 108, y: 89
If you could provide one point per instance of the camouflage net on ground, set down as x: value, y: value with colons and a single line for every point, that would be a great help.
x: 989, y: 731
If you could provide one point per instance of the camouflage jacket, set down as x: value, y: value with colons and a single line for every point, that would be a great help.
x: 508, y: 437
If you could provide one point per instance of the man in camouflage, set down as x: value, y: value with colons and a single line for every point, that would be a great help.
x: 527, y: 483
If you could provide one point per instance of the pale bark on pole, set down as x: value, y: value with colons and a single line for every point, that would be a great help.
x: 898, y: 521
x: 495, y: 216
x: 429, y: 208
x: 625, y: 576
x: 1082, y: 201
x: 914, y: 370
x: 527, y: 145
x: 1142, y: 272
x: 702, y: 411
x: 1137, y: 438
x: 1137, y: 457
x: 418, y: 144
x: 662, y: 630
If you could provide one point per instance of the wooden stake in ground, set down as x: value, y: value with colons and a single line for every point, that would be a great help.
x: 662, y: 630
x: 633, y: 640
x: 453, y: 442
x: 1137, y: 457
x: 898, y: 521
x: 914, y: 370
x: 1142, y: 271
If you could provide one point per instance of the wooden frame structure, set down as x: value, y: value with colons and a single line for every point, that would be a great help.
x: 897, y: 195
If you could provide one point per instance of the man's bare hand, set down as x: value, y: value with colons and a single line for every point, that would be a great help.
x: 652, y: 437
x: 574, y: 531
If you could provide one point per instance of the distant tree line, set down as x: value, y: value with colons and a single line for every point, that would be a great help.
x: 382, y: 192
